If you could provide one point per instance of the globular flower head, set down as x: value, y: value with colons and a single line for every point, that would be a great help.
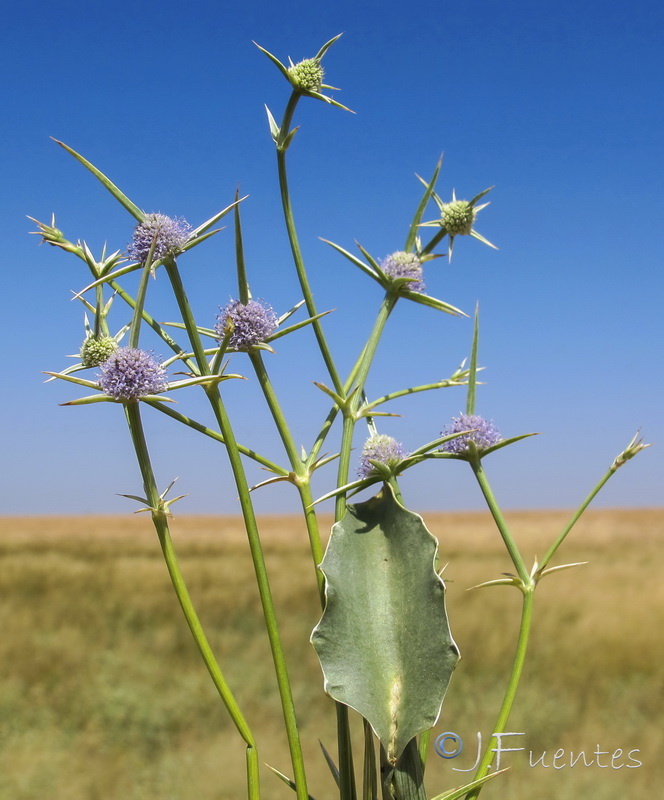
x: 251, y: 323
x: 170, y: 234
x: 97, y: 349
x: 307, y: 75
x: 404, y: 265
x: 383, y: 449
x: 483, y: 434
x: 130, y: 373
x: 458, y: 217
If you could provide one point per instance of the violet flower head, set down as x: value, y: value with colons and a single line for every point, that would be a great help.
x: 484, y: 435
x: 251, y: 324
x: 130, y: 373
x: 380, y: 448
x: 404, y: 265
x: 171, y: 235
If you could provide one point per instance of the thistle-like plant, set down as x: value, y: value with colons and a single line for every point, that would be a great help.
x: 383, y: 640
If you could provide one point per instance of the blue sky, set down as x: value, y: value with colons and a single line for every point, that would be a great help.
x: 556, y: 103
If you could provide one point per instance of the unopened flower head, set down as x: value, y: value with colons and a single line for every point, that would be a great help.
x: 404, y: 265
x: 483, y: 433
x: 130, y: 373
x: 49, y: 233
x: 170, y: 235
x: 458, y: 217
x: 634, y: 447
x: 97, y: 349
x: 307, y: 75
x: 383, y: 449
x: 251, y: 323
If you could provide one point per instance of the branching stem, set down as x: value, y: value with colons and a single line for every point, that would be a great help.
x: 253, y: 536
x: 160, y: 521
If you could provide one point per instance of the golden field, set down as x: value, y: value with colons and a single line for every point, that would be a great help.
x: 103, y: 695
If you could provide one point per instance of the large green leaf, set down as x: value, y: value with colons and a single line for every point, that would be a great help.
x: 383, y: 641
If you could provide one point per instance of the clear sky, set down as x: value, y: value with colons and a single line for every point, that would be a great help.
x: 559, y: 104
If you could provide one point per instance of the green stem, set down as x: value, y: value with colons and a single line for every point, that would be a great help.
x: 253, y: 536
x: 501, y: 523
x: 135, y: 327
x: 313, y: 531
x: 99, y: 297
x: 368, y: 354
x: 443, y: 384
x: 438, y: 237
x: 198, y: 426
x: 347, y: 777
x: 322, y: 436
x: 346, y: 770
x: 404, y: 781
x: 300, y: 468
x: 370, y: 783
x: 344, y: 744
x: 156, y: 327
x: 320, y: 439
x: 512, y: 686
x: 277, y: 414
x: 347, y: 787
x: 295, y: 244
x: 329, y: 420
x: 397, y: 491
x: 160, y: 521
x: 423, y: 748
x: 552, y: 550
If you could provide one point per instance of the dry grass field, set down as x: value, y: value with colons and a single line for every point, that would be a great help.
x: 104, y: 697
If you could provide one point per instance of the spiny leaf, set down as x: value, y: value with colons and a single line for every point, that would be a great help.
x: 122, y: 198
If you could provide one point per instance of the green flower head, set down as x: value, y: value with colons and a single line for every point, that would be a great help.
x: 458, y: 217
x: 97, y: 349
x: 307, y: 75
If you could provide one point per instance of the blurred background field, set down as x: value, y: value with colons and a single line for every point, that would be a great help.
x: 103, y: 695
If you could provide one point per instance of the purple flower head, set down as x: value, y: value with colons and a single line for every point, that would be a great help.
x: 130, y: 373
x: 484, y: 436
x: 171, y: 236
x: 251, y: 324
x: 404, y: 265
x: 380, y: 448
